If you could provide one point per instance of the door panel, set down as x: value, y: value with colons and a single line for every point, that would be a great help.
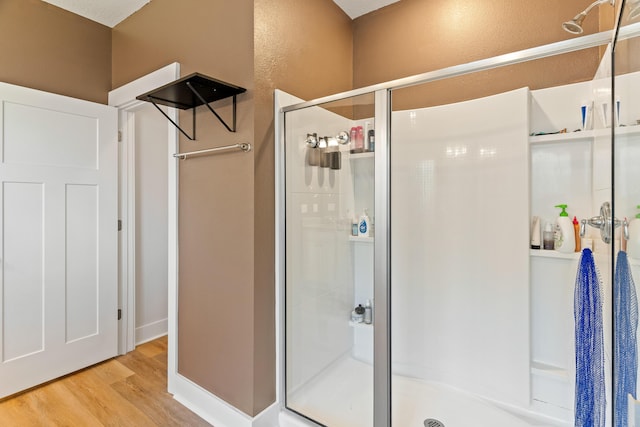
x: 58, y: 253
x: 23, y: 284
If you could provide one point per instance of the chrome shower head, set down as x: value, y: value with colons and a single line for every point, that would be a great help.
x: 575, y: 25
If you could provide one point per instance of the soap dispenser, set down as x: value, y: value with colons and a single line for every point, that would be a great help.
x: 364, y: 225
x: 633, y: 245
x: 564, y: 239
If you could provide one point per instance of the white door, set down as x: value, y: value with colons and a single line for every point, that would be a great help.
x: 58, y: 236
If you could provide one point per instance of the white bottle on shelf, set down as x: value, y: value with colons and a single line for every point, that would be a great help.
x: 564, y: 233
x: 364, y: 225
x: 368, y: 315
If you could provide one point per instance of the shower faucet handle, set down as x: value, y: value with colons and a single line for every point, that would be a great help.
x: 605, y: 223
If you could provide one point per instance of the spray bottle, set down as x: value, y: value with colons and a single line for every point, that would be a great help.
x: 563, y: 234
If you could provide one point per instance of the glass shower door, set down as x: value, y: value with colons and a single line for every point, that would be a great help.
x: 330, y: 229
x: 626, y: 161
x: 485, y: 320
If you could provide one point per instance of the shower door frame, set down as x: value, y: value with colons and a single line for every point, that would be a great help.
x: 382, y: 240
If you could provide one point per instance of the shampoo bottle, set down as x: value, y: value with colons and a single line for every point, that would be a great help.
x: 547, y: 237
x: 564, y: 236
x: 576, y: 232
x: 633, y: 245
x: 364, y: 225
x: 368, y: 315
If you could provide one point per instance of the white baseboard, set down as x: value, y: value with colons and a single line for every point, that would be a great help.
x: 151, y: 331
x: 215, y: 410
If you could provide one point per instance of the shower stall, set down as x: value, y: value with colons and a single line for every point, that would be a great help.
x: 409, y: 292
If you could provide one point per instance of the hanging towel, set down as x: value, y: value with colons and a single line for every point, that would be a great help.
x: 625, y: 306
x: 591, y: 399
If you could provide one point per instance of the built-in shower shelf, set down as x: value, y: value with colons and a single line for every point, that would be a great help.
x: 549, y: 371
x: 542, y: 253
x: 361, y: 239
x: 586, y: 135
x: 358, y: 156
x: 360, y: 324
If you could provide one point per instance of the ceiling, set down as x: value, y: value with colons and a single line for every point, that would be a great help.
x: 106, y: 12
x: 112, y: 12
x: 355, y: 8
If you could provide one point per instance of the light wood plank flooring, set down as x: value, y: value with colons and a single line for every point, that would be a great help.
x: 129, y: 390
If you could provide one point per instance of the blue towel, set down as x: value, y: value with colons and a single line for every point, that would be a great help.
x: 625, y: 353
x: 591, y: 400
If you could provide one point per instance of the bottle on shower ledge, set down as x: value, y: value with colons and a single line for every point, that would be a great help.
x: 357, y: 315
x: 352, y: 139
x: 364, y: 225
x: 547, y: 237
x: 564, y: 235
x: 368, y: 314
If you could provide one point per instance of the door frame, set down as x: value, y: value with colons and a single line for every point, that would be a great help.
x: 124, y: 99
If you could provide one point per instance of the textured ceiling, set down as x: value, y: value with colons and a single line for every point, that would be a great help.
x: 106, y: 12
x: 355, y: 8
x: 112, y: 12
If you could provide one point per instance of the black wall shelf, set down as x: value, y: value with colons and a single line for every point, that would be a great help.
x: 190, y: 92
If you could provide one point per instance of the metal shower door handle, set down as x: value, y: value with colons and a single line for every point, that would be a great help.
x: 605, y: 223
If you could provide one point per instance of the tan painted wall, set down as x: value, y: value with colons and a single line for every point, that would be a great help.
x: 216, y: 329
x: 416, y: 36
x: 50, y: 49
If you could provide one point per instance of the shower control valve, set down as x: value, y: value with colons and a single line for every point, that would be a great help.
x: 605, y: 223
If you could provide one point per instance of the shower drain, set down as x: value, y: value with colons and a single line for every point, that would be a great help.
x: 430, y: 422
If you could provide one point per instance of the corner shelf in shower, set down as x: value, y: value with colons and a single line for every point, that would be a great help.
x: 358, y: 156
x: 361, y: 239
x: 360, y: 324
x: 562, y: 137
x: 542, y: 253
x: 584, y: 135
x: 549, y: 371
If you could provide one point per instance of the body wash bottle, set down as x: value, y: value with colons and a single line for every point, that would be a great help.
x: 364, y: 225
x: 564, y: 236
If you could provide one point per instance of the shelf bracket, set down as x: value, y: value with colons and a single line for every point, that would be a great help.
x: 151, y: 99
x: 196, y: 93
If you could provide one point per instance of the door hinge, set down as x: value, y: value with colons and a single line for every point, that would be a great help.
x: 119, y: 136
x: 119, y: 225
x: 119, y: 314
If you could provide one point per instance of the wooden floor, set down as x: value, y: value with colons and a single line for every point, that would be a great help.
x: 129, y: 390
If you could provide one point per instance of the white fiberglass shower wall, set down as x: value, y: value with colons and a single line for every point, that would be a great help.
x: 460, y: 256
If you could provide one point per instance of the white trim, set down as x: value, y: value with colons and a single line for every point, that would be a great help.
x: 526, y: 55
x: 151, y: 331
x: 215, y: 410
x: 124, y: 98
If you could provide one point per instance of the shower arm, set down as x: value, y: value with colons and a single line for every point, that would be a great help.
x: 605, y: 223
x: 597, y: 3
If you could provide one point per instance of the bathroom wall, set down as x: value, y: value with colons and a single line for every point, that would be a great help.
x: 415, y: 36
x: 216, y: 330
x: 47, y: 48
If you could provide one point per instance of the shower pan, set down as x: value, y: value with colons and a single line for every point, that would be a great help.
x: 469, y: 325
